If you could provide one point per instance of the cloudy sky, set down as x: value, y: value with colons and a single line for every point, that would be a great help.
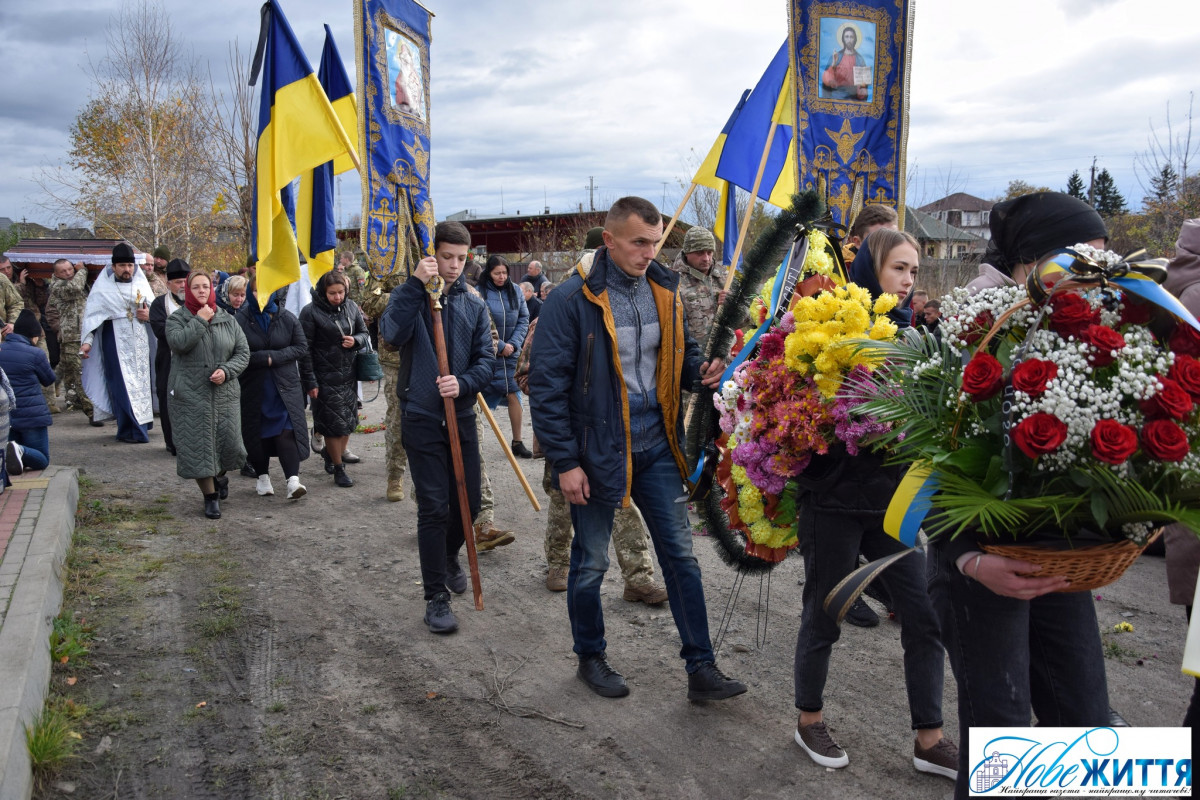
x: 531, y: 98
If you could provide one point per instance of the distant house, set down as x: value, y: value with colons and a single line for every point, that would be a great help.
x: 940, y: 240
x: 963, y: 211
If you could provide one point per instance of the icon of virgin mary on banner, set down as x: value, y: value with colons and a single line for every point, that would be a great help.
x: 852, y: 64
x: 392, y: 59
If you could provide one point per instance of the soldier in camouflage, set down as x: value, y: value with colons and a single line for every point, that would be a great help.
x: 701, y: 282
x: 629, y: 540
x: 358, y: 280
x: 374, y: 300
x: 68, y: 296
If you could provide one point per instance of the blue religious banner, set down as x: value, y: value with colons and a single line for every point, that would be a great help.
x: 392, y: 58
x: 852, y: 62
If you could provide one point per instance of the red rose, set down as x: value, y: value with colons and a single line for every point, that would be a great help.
x: 1170, y: 403
x: 1185, y: 340
x: 1186, y: 372
x: 1134, y: 311
x: 1103, y: 341
x: 1164, y: 440
x: 1039, y: 434
x: 1113, y: 442
x: 983, y: 377
x: 1032, y: 376
x: 978, y: 328
x: 1071, y: 315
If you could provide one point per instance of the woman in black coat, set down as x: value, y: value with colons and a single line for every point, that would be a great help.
x: 335, y: 330
x: 273, y: 389
x: 510, y: 316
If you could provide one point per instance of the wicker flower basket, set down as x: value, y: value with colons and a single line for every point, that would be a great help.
x: 1087, y: 568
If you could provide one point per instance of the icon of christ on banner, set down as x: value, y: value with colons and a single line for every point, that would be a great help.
x: 846, y: 54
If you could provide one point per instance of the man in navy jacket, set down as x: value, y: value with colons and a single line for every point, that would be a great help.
x: 613, y: 355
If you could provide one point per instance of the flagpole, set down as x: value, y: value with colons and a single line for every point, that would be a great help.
x: 674, y: 219
x: 745, y: 227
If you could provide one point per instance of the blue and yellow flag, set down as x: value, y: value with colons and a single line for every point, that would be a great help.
x: 851, y: 63
x: 297, y: 131
x: 392, y: 56
x: 316, y: 228
x: 725, y: 226
x: 769, y: 103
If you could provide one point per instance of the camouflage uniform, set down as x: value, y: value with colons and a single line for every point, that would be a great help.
x: 358, y: 286
x: 11, y: 300
x: 699, y: 294
x: 375, y: 296
x: 68, y: 298
x: 629, y: 538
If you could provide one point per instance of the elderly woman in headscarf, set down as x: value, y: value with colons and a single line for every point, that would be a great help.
x: 999, y: 621
x: 273, y: 388
x: 842, y: 500
x: 208, y: 353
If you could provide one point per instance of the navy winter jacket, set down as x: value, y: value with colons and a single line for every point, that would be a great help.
x: 28, y: 371
x: 408, y: 326
x: 507, y: 307
x: 577, y: 397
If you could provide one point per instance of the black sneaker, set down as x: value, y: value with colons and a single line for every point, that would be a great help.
x: 861, y: 615
x: 340, y: 477
x: 709, y: 683
x: 438, y: 615
x: 600, y: 677
x: 521, y: 451
x: 456, y: 579
x: 248, y: 471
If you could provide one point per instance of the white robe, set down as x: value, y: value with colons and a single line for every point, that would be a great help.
x: 110, y: 300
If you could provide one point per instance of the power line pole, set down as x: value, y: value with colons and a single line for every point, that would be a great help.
x: 1092, y: 185
x: 591, y: 193
x: 664, y: 197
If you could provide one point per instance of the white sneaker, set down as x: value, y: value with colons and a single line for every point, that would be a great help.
x: 296, y: 489
x: 264, y: 486
x: 13, y: 458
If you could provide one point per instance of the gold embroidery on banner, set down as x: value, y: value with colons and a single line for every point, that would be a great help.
x: 846, y: 141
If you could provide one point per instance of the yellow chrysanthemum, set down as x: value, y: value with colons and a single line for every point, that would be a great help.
x: 885, y: 303
x: 883, y: 328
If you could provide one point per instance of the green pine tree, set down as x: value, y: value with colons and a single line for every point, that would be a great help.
x: 1075, y: 186
x: 1109, y: 202
x: 1164, y: 185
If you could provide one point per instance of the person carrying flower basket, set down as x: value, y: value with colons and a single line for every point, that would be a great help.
x: 1060, y: 413
x: 841, y: 500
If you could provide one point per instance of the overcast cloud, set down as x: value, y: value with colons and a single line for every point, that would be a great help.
x: 531, y: 97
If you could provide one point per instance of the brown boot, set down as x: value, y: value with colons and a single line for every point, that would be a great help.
x: 556, y: 579
x: 491, y: 537
x: 395, y: 490
x: 647, y: 593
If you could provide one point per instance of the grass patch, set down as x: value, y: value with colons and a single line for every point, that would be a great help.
x: 69, y: 640
x: 51, y: 739
x: 1114, y: 649
x: 369, y: 709
x: 278, y: 707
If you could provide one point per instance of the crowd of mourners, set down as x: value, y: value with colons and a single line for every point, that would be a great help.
x: 235, y: 379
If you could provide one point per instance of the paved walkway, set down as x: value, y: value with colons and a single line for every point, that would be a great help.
x: 37, y: 518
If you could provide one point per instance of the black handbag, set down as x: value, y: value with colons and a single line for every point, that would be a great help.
x: 366, y: 362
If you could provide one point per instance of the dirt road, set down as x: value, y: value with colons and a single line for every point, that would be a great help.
x: 280, y: 653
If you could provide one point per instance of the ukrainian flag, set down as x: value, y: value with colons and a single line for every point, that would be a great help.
x: 770, y: 102
x: 297, y: 131
x: 726, y: 221
x: 316, y: 228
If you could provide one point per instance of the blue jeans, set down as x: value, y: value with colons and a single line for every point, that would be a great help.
x: 1010, y: 656
x: 830, y: 543
x: 36, y: 442
x: 656, y: 486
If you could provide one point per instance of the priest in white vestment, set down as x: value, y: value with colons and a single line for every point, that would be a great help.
x: 117, y: 347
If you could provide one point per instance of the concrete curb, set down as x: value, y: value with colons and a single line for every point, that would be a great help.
x: 25, y: 635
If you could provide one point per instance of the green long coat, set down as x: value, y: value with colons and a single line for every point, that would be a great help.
x: 206, y: 418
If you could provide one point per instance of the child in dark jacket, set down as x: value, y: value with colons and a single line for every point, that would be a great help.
x: 28, y: 370
x: 407, y: 325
